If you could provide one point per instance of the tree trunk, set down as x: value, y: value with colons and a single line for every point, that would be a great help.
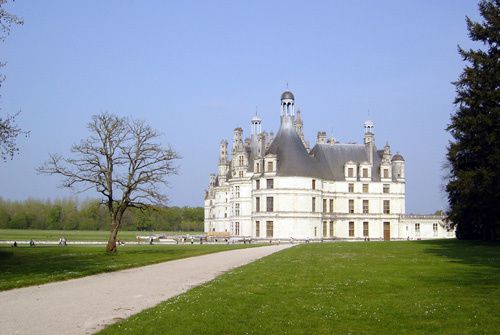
x: 111, y: 247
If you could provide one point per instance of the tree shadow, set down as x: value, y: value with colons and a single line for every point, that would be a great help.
x: 476, y: 264
x: 466, y: 252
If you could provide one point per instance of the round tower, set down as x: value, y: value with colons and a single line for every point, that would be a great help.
x: 398, y: 167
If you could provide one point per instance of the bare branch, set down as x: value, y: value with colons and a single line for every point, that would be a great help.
x: 122, y: 159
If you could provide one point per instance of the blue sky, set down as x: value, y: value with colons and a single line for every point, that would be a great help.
x: 197, y: 69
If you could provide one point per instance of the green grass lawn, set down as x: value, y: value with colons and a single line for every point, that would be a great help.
x: 24, y: 266
x: 74, y: 235
x: 421, y: 287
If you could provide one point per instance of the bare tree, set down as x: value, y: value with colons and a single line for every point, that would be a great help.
x: 9, y: 130
x: 121, y: 160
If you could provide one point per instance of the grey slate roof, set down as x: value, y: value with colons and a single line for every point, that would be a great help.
x: 333, y: 157
x: 292, y: 157
x: 325, y: 161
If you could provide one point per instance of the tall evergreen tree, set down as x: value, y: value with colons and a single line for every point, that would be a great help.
x: 474, y: 153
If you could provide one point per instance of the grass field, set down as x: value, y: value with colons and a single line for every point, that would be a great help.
x: 73, y: 235
x: 24, y: 266
x: 424, y: 287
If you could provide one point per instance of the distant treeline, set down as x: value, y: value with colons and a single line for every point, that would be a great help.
x: 69, y: 214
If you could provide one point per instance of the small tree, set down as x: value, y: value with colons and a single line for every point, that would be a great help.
x: 474, y: 154
x: 121, y: 160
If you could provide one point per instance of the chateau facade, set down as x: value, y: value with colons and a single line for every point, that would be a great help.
x: 277, y: 187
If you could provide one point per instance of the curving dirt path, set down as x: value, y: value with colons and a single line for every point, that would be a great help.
x: 86, y: 305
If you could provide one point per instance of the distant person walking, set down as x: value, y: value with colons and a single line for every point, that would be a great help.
x: 32, y: 243
x: 62, y: 242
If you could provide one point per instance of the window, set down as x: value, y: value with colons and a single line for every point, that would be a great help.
x: 237, y: 210
x: 257, y: 167
x: 351, y: 229
x: 331, y: 228
x: 351, y: 206
x: 269, y: 166
x: 269, y: 229
x: 417, y: 228
x: 240, y: 160
x: 387, y: 207
x: 270, y: 183
x: 257, y: 204
x: 366, y: 207
x: 435, y: 229
x: 325, y: 229
x: 386, y: 173
x: 324, y: 206
x: 269, y: 204
x: 240, y: 174
x: 313, y: 204
x: 351, y: 187
x: 350, y: 172
x: 365, y: 188
x: 237, y: 191
x: 365, y: 173
x: 257, y: 228
x: 257, y: 184
x: 315, y: 231
x: 365, y: 229
x: 236, y: 228
x: 331, y: 205
x: 313, y: 184
x: 386, y: 188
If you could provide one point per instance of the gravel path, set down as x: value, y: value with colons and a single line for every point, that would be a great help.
x: 86, y: 305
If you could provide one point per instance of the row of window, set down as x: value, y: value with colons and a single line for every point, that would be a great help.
x: 269, y: 184
x: 434, y: 228
x: 366, y: 205
x: 365, y: 174
x: 366, y: 188
x: 269, y: 229
x: 269, y: 204
x: 328, y: 228
x: 270, y: 167
x: 366, y: 229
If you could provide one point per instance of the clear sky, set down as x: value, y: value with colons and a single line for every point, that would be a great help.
x: 197, y: 69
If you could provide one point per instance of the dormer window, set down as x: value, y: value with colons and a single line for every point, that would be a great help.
x: 386, y: 173
x: 350, y: 172
x: 270, y: 166
x: 365, y: 173
x: 241, y: 160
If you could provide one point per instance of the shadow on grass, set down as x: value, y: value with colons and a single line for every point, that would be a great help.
x: 474, y: 264
x: 25, y: 266
x: 466, y: 252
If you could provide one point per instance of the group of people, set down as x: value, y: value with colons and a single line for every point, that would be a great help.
x: 62, y: 242
x: 32, y: 243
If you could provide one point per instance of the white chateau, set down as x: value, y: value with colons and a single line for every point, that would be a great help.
x: 277, y: 187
